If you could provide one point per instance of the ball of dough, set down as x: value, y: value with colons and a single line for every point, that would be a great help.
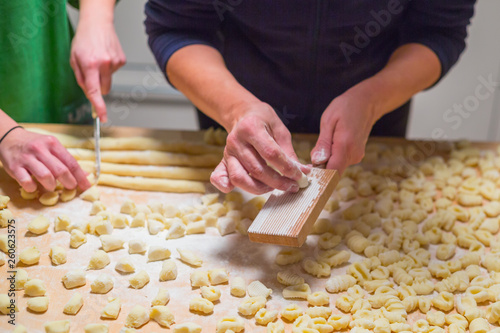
x: 157, y: 253
x: 5, y: 303
x: 62, y: 223
x: 128, y: 207
x: 60, y: 326
x: 77, y: 238
x: 21, y: 279
x: 137, y: 246
x: 92, y: 194
x: 68, y: 195
x: 5, y: 216
x: 57, y: 255
x: 102, y: 284
x: 137, y: 317
x: 119, y: 221
x: 4, y: 200
x: 139, y: 220
x: 97, y: 207
x: 74, y: 304
x: 111, y: 243
x: 162, y: 315
x: 112, y: 309
x: 99, y: 260
x: 30, y: 256
x: 139, y: 280
x: 35, y: 287
x: 38, y: 304
x: 28, y: 195
x: 74, y: 278
x: 124, y: 265
x: 49, y: 198
x: 162, y: 298
x: 39, y: 225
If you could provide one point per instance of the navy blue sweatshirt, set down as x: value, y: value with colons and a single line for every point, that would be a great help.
x: 298, y: 55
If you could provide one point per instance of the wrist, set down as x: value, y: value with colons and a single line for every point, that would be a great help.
x: 238, y: 110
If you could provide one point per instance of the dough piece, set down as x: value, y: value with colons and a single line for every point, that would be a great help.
x: 111, y: 243
x: 137, y: 246
x: 148, y: 157
x: 97, y: 207
x: 20, y: 328
x: 177, y: 230
x: 137, y: 317
x: 162, y: 298
x: 67, y: 195
x: 187, y: 328
x: 38, y: 304
x: 5, y: 303
x: 92, y: 194
x: 28, y: 195
x: 218, y: 276
x: 4, y: 243
x: 190, y: 258
x: 96, y: 328
x: 102, y: 284
x: 139, y: 280
x: 74, y: 278
x: 162, y: 315
x: 77, y: 238
x: 49, y: 198
x: 265, y: 316
x: 152, y: 184
x: 157, y: 253
x: 303, y: 181
x: 5, y: 216
x: 197, y: 227
x: 57, y: 255
x: 35, y: 287
x: 168, y: 270
x: 62, y: 223
x: 99, y: 260
x: 243, y: 225
x: 60, y: 326
x: 238, y: 286
x: 227, y: 324
x: 250, y: 306
x: 102, y: 227
x: 119, y: 221
x: 257, y: 288
x: 202, y: 305
x: 210, y: 293
x: 297, y: 291
x: 21, y: 278
x: 154, y: 227
x: 74, y: 304
x: 289, y: 278
x: 30, y: 256
x: 124, y: 265
x: 226, y: 225
x: 4, y: 200
x: 199, y: 278
x: 112, y: 309
x: 139, y: 220
x: 2, y: 259
x: 39, y: 225
x: 128, y: 207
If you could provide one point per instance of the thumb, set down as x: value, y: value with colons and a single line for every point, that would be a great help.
x: 220, y: 178
x: 94, y: 94
x: 321, y: 152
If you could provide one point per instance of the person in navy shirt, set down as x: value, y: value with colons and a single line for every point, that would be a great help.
x: 263, y: 69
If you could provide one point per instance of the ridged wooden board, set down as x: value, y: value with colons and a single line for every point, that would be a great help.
x: 287, y: 218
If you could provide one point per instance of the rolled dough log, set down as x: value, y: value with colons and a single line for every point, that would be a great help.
x: 148, y: 157
x: 152, y: 184
x: 134, y: 143
x: 149, y: 171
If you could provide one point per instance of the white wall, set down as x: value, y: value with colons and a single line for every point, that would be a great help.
x: 141, y: 97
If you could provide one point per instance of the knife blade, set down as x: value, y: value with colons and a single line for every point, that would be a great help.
x: 97, y: 146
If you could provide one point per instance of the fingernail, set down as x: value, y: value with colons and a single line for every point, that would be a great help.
x: 319, y: 156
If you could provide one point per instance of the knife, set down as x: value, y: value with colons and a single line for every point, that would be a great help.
x: 97, y: 147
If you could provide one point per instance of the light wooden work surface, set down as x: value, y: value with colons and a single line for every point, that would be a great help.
x: 234, y: 252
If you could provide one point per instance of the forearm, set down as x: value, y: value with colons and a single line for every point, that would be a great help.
x: 411, y: 68
x: 200, y: 73
x: 96, y: 11
x: 6, y: 123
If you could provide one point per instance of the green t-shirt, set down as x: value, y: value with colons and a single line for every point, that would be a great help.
x: 37, y: 83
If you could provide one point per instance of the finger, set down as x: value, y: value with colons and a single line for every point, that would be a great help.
x: 239, y: 177
x: 58, y: 170
x: 24, y: 179
x: 72, y: 165
x: 220, y: 178
x: 257, y: 168
x: 273, y: 154
x: 78, y: 72
x: 105, y: 78
x: 321, y: 153
x: 93, y: 92
x: 339, y: 154
x: 41, y: 173
x: 118, y: 61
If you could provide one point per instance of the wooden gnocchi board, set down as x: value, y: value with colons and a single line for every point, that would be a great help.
x: 235, y: 252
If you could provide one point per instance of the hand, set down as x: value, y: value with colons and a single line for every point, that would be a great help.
x: 25, y: 153
x: 96, y: 54
x: 344, y: 130
x: 257, y: 139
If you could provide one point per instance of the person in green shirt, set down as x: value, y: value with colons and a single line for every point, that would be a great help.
x: 37, y: 83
